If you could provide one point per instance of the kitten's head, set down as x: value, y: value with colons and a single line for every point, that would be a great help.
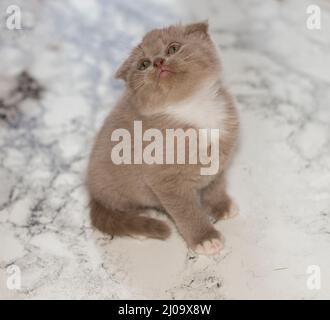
x: 170, y: 63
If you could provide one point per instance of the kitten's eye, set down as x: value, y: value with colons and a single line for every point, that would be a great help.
x: 173, y: 48
x: 144, y: 64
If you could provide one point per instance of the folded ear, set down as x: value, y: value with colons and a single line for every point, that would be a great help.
x: 199, y: 28
x: 122, y: 72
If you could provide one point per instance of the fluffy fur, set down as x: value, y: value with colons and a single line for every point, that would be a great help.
x: 191, y: 95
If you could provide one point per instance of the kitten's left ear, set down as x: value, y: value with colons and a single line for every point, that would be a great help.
x: 199, y: 28
x: 122, y: 72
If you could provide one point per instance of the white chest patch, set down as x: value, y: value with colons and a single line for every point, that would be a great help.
x: 203, y: 110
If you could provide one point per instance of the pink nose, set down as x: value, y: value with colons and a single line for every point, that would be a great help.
x: 158, y: 62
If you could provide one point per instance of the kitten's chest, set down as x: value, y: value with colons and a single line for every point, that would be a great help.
x: 200, y: 113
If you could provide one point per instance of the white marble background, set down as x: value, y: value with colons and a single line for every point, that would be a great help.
x: 279, y: 72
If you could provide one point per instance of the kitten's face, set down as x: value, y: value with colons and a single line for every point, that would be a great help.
x: 171, y: 62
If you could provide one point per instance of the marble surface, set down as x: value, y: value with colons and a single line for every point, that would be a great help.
x: 279, y: 72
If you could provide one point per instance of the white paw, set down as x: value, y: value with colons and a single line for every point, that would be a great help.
x: 233, y: 211
x: 209, y: 247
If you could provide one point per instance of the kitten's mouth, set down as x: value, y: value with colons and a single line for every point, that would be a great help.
x: 164, y: 72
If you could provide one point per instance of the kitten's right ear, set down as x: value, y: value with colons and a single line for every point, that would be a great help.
x: 122, y: 72
x: 199, y: 28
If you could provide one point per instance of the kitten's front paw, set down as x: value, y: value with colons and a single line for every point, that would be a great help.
x: 209, y: 247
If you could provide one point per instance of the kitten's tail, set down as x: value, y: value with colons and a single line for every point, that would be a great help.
x: 124, y: 224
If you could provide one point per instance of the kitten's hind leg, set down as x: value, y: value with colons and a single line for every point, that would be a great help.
x: 225, y: 208
x: 217, y: 202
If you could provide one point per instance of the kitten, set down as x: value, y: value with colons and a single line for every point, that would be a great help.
x: 172, y: 81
